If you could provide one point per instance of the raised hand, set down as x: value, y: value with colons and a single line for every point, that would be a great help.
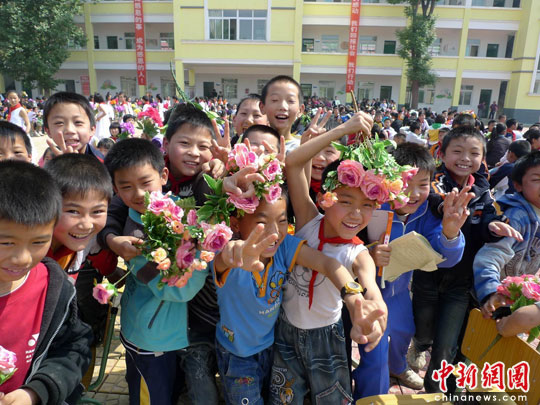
x: 359, y: 122
x: 60, y: 149
x: 368, y: 323
x: 455, y: 211
x: 222, y: 145
x: 247, y: 253
x: 240, y: 183
x: 279, y: 155
x: 501, y: 229
x: 215, y: 167
x: 315, y: 127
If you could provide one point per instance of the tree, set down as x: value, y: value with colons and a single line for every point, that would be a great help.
x: 415, y: 41
x: 35, y: 37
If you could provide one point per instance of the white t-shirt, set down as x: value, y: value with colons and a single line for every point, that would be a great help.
x: 412, y: 137
x: 327, y: 303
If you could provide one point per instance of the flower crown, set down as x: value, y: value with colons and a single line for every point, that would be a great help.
x: 371, y: 168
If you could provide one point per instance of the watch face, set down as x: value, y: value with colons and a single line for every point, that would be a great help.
x: 354, y: 285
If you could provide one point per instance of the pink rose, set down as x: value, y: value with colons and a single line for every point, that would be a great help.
x: 243, y: 157
x: 400, y: 202
x: 518, y: 280
x: 184, y: 255
x: 272, y: 170
x: 503, y: 291
x: 249, y: 205
x: 351, y: 173
x: 192, y: 218
x: 407, y: 175
x: 103, y: 292
x: 158, y: 202
x: 174, y: 212
x: 217, y: 238
x: 8, y: 361
x: 374, y: 188
x: 274, y: 192
x: 328, y: 199
x: 170, y: 281
x: 164, y: 265
x: 199, y: 265
x: 531, y: 290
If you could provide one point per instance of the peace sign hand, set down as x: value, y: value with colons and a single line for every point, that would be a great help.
x: 455, y: 211
x: 368, y: 322
x: 222, y: 145
x: 61, y: 149
x: 247, y: 253
x: 316, y: 128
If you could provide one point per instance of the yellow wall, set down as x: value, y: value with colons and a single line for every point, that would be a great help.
x: 282, y: 25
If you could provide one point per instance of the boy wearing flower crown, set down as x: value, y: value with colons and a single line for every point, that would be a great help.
x: 154, y: 317
x: 309, y: 349
x: 372, y: 375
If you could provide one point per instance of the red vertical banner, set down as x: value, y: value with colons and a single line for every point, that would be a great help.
x: 140, y: 52
x: 353, y: 45
x: 85, y: 85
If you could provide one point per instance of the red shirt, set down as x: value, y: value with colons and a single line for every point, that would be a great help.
x: 21, y: 312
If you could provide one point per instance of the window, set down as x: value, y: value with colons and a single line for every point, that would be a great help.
x: 326, y: 89
x: 151, y: 43
x: 473, y: 46
x: 112, y: 42
x: 367, y: 44
x: 498, y: 3
x: 229, y: 87
x: 492, y: 51
x: 168, y: 87
x: 509, y: 46
x: 128, y: 85
x: 389, y: 47
x: 307, y: 89
x: 166, y: 41
x: 435, y: 48
x: 465, y: 94
x: 130, y: 40
x: 246, y: 25
x: 425, y: 95
x: 365, y: 90
x: 329, y: 43
x: 260, y: 84
x: 308, y: 45
x: 96, y: 42
x: 536, y: 86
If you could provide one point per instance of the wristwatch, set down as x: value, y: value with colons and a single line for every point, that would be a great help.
x: 352, y: 287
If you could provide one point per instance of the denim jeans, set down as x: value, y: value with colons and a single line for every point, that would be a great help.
x: 439, y: 314
x: 312, y: 360
x: 245, y: 379
x: 198, y: 361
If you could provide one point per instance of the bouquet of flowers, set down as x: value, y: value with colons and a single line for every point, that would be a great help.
x: 149, y: 122
x: 522, y: 291
x: 128, y: 130
x: 370, y: 167
x: 176, y: 240
x: 8, y: 362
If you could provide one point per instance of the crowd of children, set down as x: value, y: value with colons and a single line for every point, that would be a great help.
x: 267, y: 314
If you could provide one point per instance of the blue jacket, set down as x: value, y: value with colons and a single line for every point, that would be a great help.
x: 428, y: 225
x: 142, y: 298
x: 508, y: 257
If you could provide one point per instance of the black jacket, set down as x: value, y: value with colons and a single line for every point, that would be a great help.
x: 483, y: 210
x: 495, y: 149
x: 62, y: 353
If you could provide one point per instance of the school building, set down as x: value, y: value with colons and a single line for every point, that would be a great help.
x: 485, y: 51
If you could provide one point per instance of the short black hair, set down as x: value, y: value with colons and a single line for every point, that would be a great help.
x: 531, y: 134
x: 261, y: 128
x: 523, y: 164
x: 499, y: 129
x: 520, y: 148
x: 80, y: 174
x: 415, y: 155
x: 439, y: 119
x: 116, y: 125
x: 66, y: 97
x: 510, y: 122
x: 286, y: 79
x: 463, y: 132
x: 106, y: 143
x: 28, y: 194
x: 463, y: 120
x: 133, y: 152
x: 127, y: 117
x: 188, y: 114
x: 414, y: 125
x: 12, y: 131
x: 251, y: 96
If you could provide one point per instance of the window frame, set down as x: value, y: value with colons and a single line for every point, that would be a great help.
x: 226, y: 24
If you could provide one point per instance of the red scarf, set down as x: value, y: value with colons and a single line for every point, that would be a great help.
x: 11, y: 109
x: 315, y: 185
x: 322, y: 240
x: 175, y: 184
